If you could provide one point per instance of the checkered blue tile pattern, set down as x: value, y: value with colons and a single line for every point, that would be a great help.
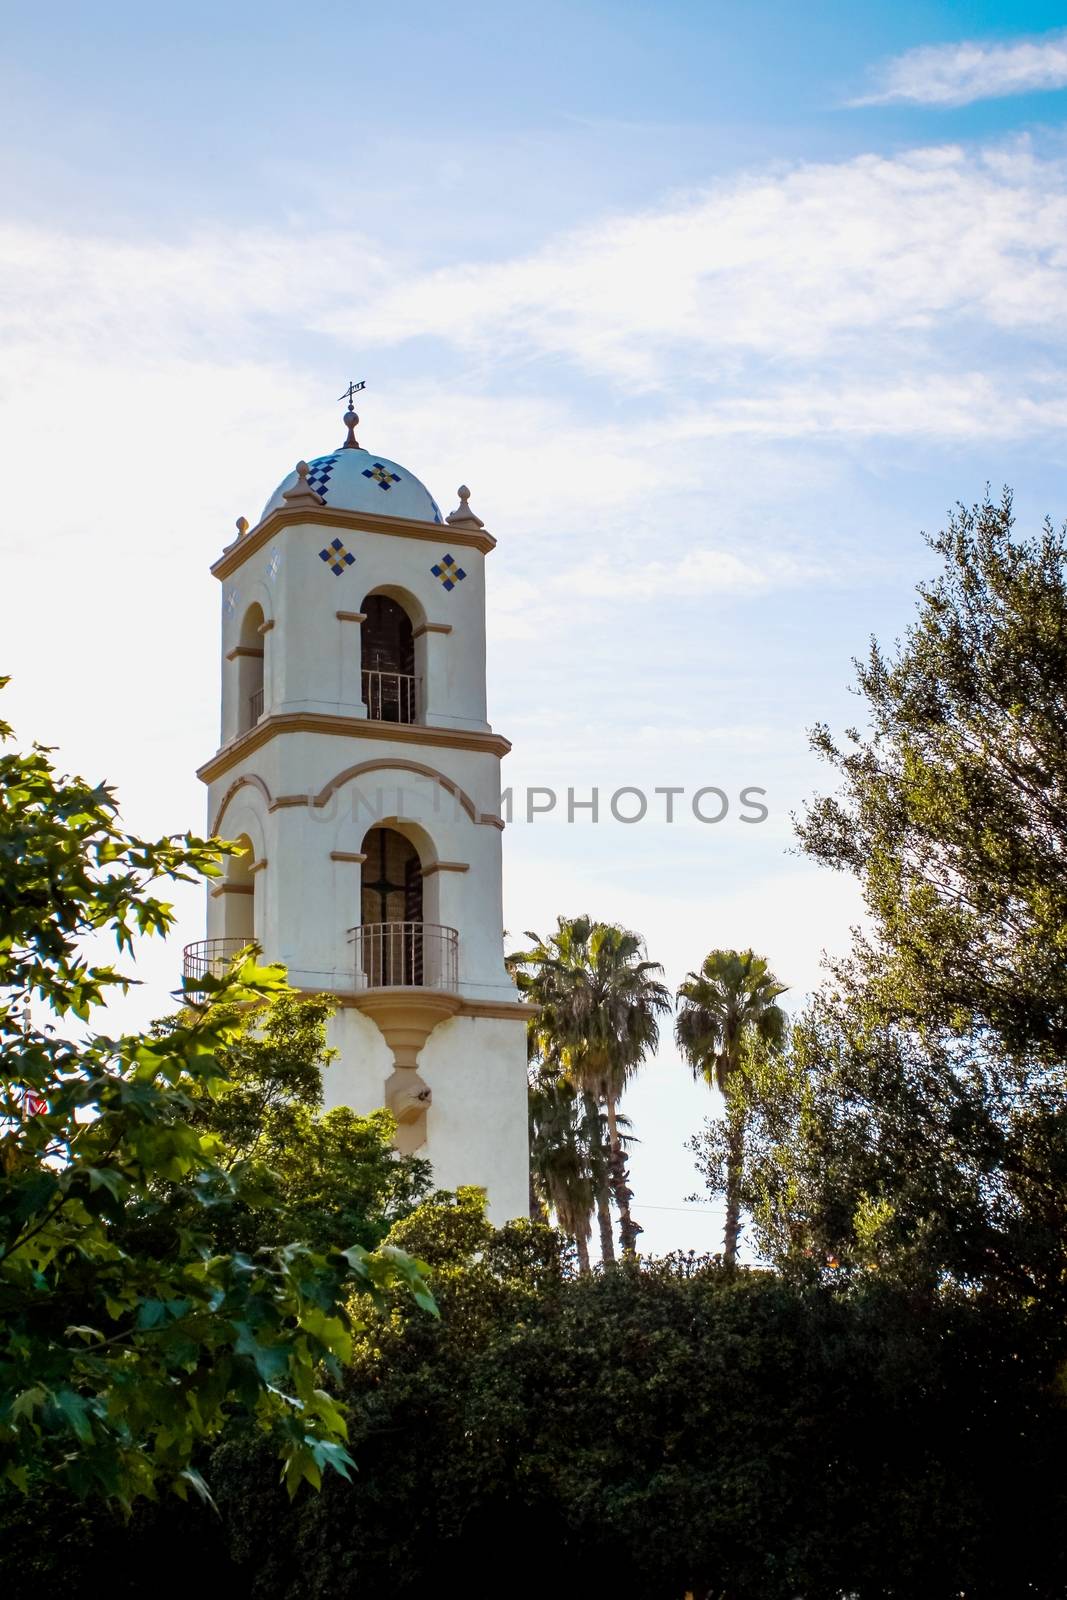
x: 319, y: 472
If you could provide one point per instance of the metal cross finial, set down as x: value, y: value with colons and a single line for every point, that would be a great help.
x: 350, y: 419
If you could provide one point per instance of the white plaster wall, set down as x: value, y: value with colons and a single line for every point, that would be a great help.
x: 477, y: 1124
x: 357, y: 1077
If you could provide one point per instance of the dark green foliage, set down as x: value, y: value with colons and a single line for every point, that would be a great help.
x: 568, y: 1160
x: 954, y: 806
x: 933, y: 1159
x: 919, y: 1126
x: 648, y: 1432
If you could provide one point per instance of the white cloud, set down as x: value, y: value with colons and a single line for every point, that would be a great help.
x: 864, y: 260
x: 957, y: 74
x: 153, y: 391
x: 829, y: 298
x: 697, y: 572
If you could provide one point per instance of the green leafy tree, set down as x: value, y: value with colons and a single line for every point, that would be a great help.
x: 920, y: 1127
x: 599, y: 1003
x: 728, y: 1013
x: 952, y: 808
x: 116, y: 1366
x: 335, y: 1176
x: 925, y: 1158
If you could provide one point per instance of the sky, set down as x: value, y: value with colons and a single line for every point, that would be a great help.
x: 715, y: 309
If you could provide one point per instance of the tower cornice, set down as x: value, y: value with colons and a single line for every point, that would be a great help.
x: 410, y: 733
x: 236, y: 554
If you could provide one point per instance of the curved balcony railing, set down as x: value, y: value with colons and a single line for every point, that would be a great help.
x: 210, y: 957
x: 413, y: 954
x: 390, y: 696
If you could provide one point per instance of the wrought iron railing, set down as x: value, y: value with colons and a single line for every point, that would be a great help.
x: 420, y: 954
x: 390, y: 696
x: 210, y: 957
x: 255, y: 707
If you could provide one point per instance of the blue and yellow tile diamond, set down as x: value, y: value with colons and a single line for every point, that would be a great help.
x: 336, y: 557
x: 381, y: 475
x: 447, y: 571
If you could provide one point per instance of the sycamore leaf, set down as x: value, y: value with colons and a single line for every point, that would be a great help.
x: 75, y: 1409
x: 26, y: 1403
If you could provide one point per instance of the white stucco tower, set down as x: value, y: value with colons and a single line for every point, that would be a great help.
x: 357, y: 766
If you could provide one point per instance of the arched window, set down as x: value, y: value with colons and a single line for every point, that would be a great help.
x: 249, y: 655
x: 388, y: 661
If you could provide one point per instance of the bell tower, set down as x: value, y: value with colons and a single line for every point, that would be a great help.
x: 358, y: 769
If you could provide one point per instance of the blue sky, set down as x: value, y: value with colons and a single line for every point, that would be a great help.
x: 714, y: 308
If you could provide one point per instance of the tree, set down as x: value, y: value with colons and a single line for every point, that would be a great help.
x: 117, y: 1365
x: 728, y: 1011
x: 952, y: 809
x: 561, y: 1158
x: 599, y: 1004
x: 649, y: 1430
x: 336, y: 1178
x: 920, y: 1130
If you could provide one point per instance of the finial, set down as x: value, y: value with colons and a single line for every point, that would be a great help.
x: 242, y: 527
x: 302, y: 489
x: 350, y: 419
x: 463, y: 512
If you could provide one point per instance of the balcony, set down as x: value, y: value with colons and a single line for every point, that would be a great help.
x: 255, y: 707
x: 390, y: 696
x: 210, y: 958
x: 421, y: 955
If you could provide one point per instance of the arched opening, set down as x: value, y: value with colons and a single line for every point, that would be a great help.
x: 395, y: 943
x: 249, y: 654
x: 235, y: 927
x: 239, y: 896
x: 391, y: 910
x: 389, y: 684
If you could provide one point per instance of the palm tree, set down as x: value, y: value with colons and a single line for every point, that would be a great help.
x: 561, y: 1174
x: 599, y: 1002
x: 726, y: 1009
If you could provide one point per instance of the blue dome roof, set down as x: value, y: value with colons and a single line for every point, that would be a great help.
x: 357, y: 480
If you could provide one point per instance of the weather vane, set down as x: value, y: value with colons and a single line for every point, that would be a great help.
x: 350, y: 418
x: 353, y: 388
